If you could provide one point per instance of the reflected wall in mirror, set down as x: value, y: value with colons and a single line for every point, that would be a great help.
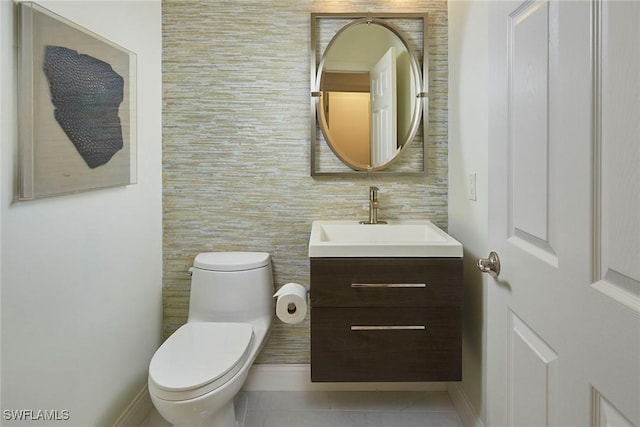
x: 369, y: 103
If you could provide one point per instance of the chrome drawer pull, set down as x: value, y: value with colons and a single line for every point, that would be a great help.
x: 388, y: 285
x: 388, y: 328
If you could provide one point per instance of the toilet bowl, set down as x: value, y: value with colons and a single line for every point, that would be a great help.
x: 196, y: 373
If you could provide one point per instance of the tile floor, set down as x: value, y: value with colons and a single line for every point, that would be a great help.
x: 339, y: 409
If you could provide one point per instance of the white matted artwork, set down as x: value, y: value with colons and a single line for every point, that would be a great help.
x: 76, y: 108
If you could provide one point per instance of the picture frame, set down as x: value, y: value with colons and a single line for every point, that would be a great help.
x: 76, y: 108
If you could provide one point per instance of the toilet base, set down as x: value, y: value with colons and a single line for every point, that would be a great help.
x: 217, y: 407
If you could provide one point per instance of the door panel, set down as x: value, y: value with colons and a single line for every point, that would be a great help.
x: 614, y: 294
x: 528, y: 130
x: 607, y: 415
x: 563, y: 317
x: 528, y: 111
x: 618, y: 156
x: 533, y: 372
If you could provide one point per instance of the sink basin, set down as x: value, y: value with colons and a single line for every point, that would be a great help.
x: 395, y: 239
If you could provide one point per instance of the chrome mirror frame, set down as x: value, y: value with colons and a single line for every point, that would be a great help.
x: 318, y: 138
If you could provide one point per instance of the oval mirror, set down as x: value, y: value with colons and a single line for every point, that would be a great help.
x: 369, y: 104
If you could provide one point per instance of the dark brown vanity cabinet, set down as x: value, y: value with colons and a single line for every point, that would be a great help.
x: 386, y: 319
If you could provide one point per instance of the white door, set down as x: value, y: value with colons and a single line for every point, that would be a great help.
x: 563, y: 325
x: 384, y: 134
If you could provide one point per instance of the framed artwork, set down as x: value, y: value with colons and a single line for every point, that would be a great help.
x: 76, y: 107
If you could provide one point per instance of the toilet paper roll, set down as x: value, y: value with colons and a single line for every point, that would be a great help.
x: 291, y: 305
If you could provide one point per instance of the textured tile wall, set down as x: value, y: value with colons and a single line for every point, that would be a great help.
x: 236, y: 144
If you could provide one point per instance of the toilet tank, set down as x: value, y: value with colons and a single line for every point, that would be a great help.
x: 231, y: 287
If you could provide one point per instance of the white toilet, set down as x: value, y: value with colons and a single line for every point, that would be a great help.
x: 195, y: 375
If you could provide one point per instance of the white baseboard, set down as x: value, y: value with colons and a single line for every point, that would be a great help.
x: 298, y: 378
x: 460, y: 401
x: 137, y: 410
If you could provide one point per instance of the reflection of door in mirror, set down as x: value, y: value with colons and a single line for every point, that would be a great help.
x: 384, y: 135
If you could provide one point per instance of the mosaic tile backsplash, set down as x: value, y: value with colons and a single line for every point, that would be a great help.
x: 236, y: 144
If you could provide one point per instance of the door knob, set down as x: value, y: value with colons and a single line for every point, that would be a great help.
x: 490, y: 265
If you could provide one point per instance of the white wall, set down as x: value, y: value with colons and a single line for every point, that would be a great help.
x: 81, y: 274
x: 468, y: 145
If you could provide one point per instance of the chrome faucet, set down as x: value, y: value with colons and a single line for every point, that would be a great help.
x: 374, y: 205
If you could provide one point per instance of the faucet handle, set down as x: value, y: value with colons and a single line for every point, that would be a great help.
x: 373, y: 192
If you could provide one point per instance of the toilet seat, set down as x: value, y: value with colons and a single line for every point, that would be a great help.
x: 198, y: 358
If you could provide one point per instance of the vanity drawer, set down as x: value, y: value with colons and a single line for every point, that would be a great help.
x: 380, y: 282
x: 386, y: 344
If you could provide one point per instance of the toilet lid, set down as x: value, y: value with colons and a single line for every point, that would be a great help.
x: 199, y: 357
x: 231, y: 261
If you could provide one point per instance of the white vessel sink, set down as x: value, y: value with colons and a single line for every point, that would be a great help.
x: 395, y: 239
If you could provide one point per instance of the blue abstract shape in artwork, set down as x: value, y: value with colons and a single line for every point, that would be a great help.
x: 86, y: 93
